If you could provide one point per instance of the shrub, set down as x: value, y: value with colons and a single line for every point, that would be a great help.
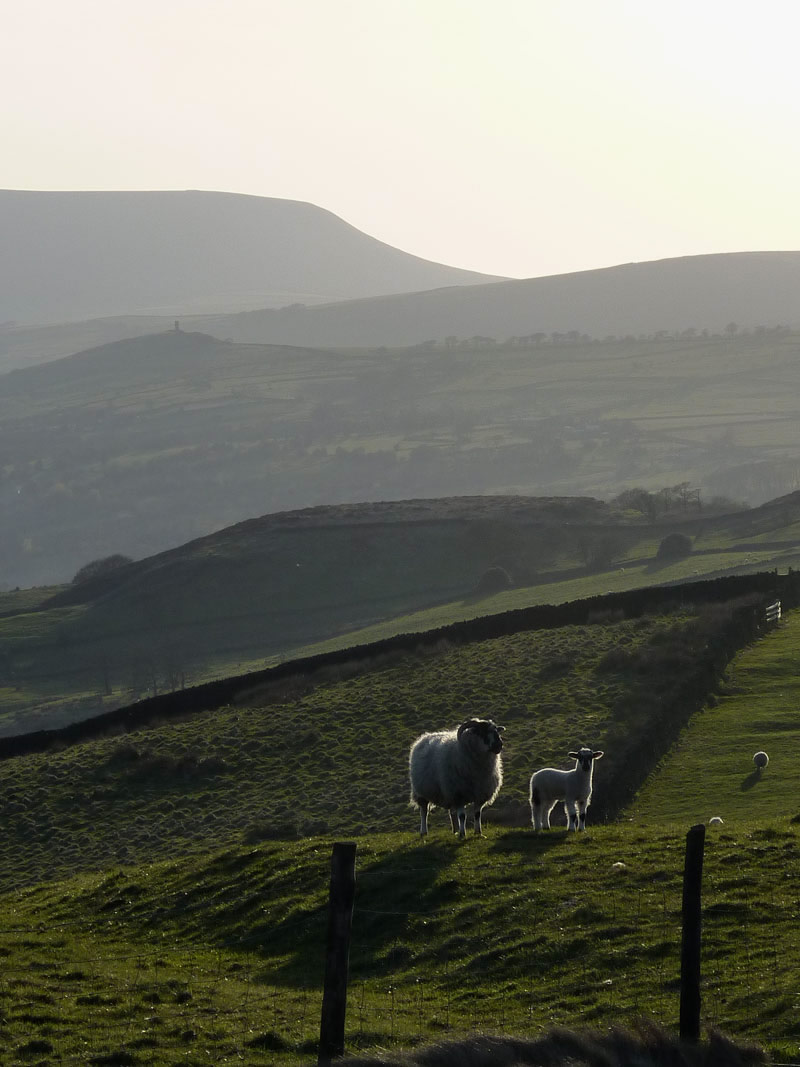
x: 494, y: 580
x: 675, y: 546
x: 99, y: 568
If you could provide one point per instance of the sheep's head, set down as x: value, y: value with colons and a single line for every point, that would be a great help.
x: 486, y: 731
x: 585, y: 757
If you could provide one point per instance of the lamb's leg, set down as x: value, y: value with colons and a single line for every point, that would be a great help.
x: 582, y: 806
x: 571, y: 808
x: 536, y: 808
x: 478, y: 828
x: 454, y: 820
x: 423, y: 812
x: 547, y: 815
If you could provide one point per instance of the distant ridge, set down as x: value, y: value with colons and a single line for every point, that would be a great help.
x: 701, y: 292
x: 67, y: 256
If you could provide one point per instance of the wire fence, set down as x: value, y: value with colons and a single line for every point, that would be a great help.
x: 163, y: 1000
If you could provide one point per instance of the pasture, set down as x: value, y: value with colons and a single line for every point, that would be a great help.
x: 140, y: 923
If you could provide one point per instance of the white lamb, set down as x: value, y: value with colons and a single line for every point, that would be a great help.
x: 574, y: 788
x: 453, y: 768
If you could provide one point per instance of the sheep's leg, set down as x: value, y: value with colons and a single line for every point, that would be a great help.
x: 571, y: 808
x: 478, y: 828
x: 462, y: 821
x: 454, y: 820
x: 582, y: 806
x: 546, y: 820
x: 423, y: 813
x: 536, y: 815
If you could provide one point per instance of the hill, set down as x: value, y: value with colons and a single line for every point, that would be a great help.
x: 145, y: 444
x: 687, y: 296
x: 68, y: 256
x: 708, y: 292
x: 322, y: 579
x: 195, y: 915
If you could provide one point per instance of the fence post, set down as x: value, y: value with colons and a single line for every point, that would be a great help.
x: 690, y: 941
x: 340, y: 921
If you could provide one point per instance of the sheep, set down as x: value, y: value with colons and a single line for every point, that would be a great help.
x: 761, y: 759
x: 453, y: 768
x: 574, y: 788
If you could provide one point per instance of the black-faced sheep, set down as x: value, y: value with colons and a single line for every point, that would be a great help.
x: 453, y: 768
x: 574, y: 788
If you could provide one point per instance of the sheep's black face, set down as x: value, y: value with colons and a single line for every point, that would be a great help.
x: 486, y: 731
x: 491, y: 736
x: 585, y: 758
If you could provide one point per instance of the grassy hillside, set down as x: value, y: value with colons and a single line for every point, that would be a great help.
x: 218, y: 955
x: 308, y: 582
x: 144, y: 445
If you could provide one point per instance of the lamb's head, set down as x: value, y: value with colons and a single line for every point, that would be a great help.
x: 483, y: 732
x: 585, y: 756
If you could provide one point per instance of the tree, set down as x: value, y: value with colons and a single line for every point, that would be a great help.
x: 99, y: 568
x: 674, y: 546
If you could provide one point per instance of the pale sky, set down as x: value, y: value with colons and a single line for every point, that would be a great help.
x: 518, y: 137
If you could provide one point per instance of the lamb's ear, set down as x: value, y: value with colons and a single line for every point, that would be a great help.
x: 500, y: 729
x: 597, y: 755
x: 573, y: 755
x: 466, y: 725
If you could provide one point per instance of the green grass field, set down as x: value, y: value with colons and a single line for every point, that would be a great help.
x: 184, y: 934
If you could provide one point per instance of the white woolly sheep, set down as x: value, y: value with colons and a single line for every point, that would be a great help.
x: 453, y: 768
x: 574, y: 788
x: 761, y: 759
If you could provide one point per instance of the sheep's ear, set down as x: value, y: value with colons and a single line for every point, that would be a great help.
x: 573, y: 755
x: 597, y: 755
x: 500, y: 729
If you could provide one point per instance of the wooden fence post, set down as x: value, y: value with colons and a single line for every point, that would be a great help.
x: 340, y: 922
x: 690, y: 941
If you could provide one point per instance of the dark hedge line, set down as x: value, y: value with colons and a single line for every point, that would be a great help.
x: 691, y: 663
x: 765, y: 586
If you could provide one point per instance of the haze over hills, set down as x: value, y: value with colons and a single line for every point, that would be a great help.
x: 696, y: 293
x: 147, y: 443
x: 710, y: 292
x: 68, y: 256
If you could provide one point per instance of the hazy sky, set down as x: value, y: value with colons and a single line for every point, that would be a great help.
x: 519, y: 137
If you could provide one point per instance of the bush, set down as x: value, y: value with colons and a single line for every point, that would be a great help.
x: 99, y: 568
x: 493, y: 580
x: 675, y: 546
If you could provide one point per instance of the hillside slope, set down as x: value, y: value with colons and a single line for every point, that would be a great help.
x: 75, y: 255
x: 700, y: 292
x: 148, y: 443
x: 191, y: 928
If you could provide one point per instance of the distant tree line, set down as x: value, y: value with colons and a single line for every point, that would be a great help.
x: 452, y: 343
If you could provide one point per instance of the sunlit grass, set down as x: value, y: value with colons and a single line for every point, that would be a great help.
x: 711, y: 771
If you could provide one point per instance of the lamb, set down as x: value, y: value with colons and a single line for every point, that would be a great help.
x: 574, y: 788
x: 453, y: 768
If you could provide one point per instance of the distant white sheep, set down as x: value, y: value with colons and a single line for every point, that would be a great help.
x: 761, y: 759
x: 574, y: 788
x: 453, y: 768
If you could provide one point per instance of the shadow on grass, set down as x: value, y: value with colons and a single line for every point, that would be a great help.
x: 531, y: 843
x: 394, y: 894
x: 751, y: 779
